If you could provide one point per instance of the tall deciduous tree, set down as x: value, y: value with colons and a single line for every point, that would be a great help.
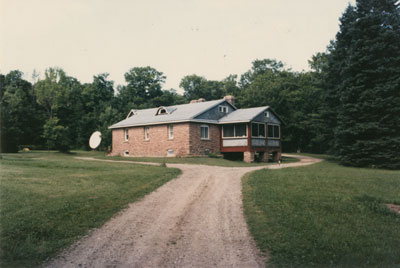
x: 97, y: 99
x: 196, y: 87
x: 363, y: 77
x: 20, y: 117
x: 60, y: 95
x: 143, y: 85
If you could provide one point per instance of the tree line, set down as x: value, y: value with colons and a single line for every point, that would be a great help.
x: 347, y: 105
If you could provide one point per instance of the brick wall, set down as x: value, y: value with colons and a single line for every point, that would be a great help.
x: 199, y: 146
x: 186, y: 141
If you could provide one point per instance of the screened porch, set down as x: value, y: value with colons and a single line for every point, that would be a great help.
x: 254, y: 134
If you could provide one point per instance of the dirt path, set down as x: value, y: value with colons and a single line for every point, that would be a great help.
x: 195, y: 220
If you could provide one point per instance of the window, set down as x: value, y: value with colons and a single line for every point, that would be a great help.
x: 241, y: 130
x: 146, y: 133
x: 204, y: 132
x: 126, y: 153
x: 273, y: 131
x: 234, y: 131
x: 258, y: 130
x: 162, y: 110
x: 223, y: 109
x: 170, y: 132
x: 228, y: 131
x: 266, y: 114
x: 126, y: 134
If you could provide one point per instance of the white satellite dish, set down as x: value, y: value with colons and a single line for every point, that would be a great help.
x: 95, y: 140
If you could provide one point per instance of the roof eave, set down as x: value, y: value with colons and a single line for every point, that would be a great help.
x: 235, y: 121
x: 165, y: 123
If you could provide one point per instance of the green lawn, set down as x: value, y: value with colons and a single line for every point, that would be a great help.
x: 324, y: 215
x: 320, y: 156
x: 48, y: 200
x: 185, y: 160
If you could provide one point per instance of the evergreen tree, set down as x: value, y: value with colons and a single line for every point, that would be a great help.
x: 363, y: 76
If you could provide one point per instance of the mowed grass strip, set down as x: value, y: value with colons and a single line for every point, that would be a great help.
x: 324, y: 215
x: 185, y: 160
x: 49, y: 200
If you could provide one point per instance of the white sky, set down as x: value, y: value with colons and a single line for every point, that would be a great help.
x: 211, y: 38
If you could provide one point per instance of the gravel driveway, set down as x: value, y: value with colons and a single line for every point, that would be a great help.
x: 195, y: 220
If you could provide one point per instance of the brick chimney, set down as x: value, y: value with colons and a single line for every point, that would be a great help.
x: 199, y: 100
x: 230, y: 99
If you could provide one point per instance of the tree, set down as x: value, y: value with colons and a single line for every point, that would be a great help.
x: 143, y: 85
x: 295, y: 97
x: 230, y: 85
x: 169, y: 98
x: 106, y: 118
x: 60, y: 96
x: 50, y: 90
x: 260, y: 67
x: 196, y: 87
x: 363, y: 78
x: 56, y: 135
x: 20, y: 118
x: 97, y: 99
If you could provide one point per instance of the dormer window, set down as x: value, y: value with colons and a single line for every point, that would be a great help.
x: 131, y: 113
x: 165, y: 110
x: 161, y: 111
x: 223, y: 109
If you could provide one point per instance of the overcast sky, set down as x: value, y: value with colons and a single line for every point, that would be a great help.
x: 211, y: 38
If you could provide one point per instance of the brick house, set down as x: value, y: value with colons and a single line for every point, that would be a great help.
x: 199, y: 128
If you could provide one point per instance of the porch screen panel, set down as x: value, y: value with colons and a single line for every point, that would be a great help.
x: 270, y: 131
x: 240, y: 130
x: 228, y: 130
x: 276, y: 131
x: 261, y: 130
x: 254, y: 130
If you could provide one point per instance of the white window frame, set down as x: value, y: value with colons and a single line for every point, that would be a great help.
x: 279, y: 132
x: 234, y: 132
x: 266, y: 114
x: 265, y: 131
x: 126, y: 134
x: 147, y: 133
x: 170, y: 132
x: 208, y: 132
x: 223, y: 109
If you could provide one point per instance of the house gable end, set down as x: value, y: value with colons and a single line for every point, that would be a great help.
x: 271, y: 118
x: 214, y: 113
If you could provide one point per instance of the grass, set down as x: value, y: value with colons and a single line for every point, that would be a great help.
x: 321, y: 156
x: 49, y: 200
x: 185, y: 160
x: 324, y: 215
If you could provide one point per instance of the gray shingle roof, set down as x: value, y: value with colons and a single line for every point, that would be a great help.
x: 178, y: 113
x: 243, y: 115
